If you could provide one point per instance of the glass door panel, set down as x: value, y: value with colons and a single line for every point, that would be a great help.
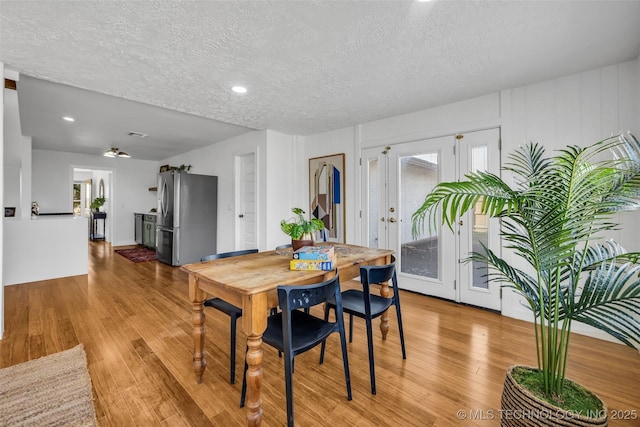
x: 418, y: 175
x: 479, y: 152
x: 373, y: 197
x: 479, y: 231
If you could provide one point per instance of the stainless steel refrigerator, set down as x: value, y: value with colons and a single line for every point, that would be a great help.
x: 186, y: 228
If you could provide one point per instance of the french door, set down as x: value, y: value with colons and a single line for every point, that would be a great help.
x: 397, y: 178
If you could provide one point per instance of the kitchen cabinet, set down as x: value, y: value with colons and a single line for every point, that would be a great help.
x: 149, y: 231
x: 139, y: 228
x: 145, y: 229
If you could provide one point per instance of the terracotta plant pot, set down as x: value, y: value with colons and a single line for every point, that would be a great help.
x: 520, y: 408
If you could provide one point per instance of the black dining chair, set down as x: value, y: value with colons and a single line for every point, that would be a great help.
x: 364, y: 304
x: 293, y: 331
x: 229, y: 309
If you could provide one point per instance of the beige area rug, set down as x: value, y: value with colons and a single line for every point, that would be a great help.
x: 54, y: 390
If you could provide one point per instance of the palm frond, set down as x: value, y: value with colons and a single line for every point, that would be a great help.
x: 509, y: 276
x: 527, y: 162
x: 456, y: 198
x: 610, y: 301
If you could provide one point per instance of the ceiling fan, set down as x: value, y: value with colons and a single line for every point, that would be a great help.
x: 115, y: 152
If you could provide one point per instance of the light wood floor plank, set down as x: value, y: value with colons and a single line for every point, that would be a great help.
x: 134, y: 321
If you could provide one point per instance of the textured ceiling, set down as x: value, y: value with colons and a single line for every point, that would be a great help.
x: 311, y: 66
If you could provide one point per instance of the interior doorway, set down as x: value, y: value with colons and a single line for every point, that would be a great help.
x: 246, y: 201
x: 89, y: 183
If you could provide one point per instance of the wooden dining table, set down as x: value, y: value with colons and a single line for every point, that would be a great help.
x: 250, y: 282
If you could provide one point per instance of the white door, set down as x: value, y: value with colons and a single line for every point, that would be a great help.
x: 246, y: 225
x: 478, y: 151
x: 397, y: 178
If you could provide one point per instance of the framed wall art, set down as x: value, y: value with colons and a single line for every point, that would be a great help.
x: 326, y: 196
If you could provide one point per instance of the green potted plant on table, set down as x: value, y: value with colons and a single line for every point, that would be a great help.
x: 300, y: 229
x: 553, y: 220
x: 97, y: 203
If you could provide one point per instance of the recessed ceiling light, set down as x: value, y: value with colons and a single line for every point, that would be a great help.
x: 68, y: 118
x: 239, y: 89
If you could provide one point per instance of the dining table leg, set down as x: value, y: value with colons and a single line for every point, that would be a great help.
x: 254, y: 322
x: 196, y: 296
x: 254, y: 380
x: 384, y: 319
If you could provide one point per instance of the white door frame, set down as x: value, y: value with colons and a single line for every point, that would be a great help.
x: 453, y: 274
x: 244, y: 217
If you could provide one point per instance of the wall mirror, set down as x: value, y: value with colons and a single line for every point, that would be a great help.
x: 326, y: 196
x: 101, y: 189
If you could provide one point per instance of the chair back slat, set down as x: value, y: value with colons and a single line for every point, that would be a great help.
x: 375, y: 274
x: 296, y: 297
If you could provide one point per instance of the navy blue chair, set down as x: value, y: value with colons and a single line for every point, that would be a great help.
x: 229, y: 309
x: 293, y: 331
x: 364, y: 304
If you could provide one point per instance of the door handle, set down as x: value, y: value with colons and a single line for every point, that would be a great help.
x: 392, y: 220
x: 241, y: 216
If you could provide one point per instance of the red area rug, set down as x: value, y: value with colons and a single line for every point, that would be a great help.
x: 139, y: 254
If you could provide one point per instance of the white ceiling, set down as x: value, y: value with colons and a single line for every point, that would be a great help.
x: 309, y: 66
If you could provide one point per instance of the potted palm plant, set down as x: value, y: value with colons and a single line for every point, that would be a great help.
x: 553, y: 219
x: 300, y: 229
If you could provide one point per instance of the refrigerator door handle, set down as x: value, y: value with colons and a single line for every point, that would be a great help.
x: 163, y: 199
x: 177, y: 187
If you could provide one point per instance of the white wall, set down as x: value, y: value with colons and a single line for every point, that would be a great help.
x: 26, y: 240
x: 326, y: 144
x: 468, y: 115
x: 2, y: 198
x: 52, y: 181
x: 12, y: 150
x: 280, y: 189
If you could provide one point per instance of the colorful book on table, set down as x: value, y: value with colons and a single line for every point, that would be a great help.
x: 315, y: 253
x: 311, y: 265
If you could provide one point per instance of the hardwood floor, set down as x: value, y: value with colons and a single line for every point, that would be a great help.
x: 134, y: 321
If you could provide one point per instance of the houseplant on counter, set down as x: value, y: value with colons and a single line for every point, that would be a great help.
x: 97, y: 203
x: 553, y: 220
x: 300, y: 229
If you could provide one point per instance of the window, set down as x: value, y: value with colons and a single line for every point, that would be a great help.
x: 77, y: 199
